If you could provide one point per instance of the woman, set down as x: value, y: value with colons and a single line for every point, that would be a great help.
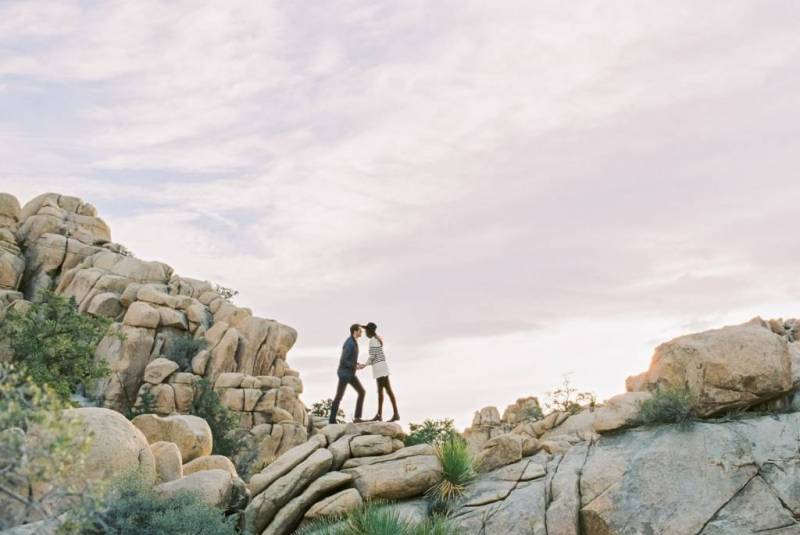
x: 380, y: 370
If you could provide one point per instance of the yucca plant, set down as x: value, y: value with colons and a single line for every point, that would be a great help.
x: 436, y: 525
x: 458, y: 469
x: 376, y: 518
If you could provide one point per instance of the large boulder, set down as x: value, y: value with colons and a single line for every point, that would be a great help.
x: 159, y: 369
x: 736, y: 366
x: 214, y: 487
x: 335, y: 505
x: 190, y: 433
x: 117, y: 446
x: 500, y: 451
x: 210, y: 462
x: 370, y: 445
x: 619, y: 411
x: 398, y: 478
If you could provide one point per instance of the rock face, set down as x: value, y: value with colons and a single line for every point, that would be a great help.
x: 737, y: 366
x: 733, y: 477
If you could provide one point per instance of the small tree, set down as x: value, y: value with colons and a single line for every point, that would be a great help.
x: 222, y: 422
x: 53, y: 344
x: 567, y: 398
x: 42, y: 454
x: 322, y: 409
x: 431, y: 432
x: 225, y: 292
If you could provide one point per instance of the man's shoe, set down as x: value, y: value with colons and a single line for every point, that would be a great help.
x: 357, y: 420
x: 377, y: 418
x: 395, y: 418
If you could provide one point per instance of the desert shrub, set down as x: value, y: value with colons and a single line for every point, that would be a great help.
x: 225, y: 292
x: 672, y: 406
x: 53, y: 344
x: 42, y: 454
x: 431, y: 432
x: 532, y: 412
x: 376, y: 518
x: 322, y: 409
x: 183, y: 349
x: 222, y: 421
x: 567, y: 398
x: 132, y: 507
x: 458, y: 470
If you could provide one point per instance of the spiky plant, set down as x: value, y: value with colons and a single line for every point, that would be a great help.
x: 458, y: 469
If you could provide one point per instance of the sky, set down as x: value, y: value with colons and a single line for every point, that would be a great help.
x: 513, y: 192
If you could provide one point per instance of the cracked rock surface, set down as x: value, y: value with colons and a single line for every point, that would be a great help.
x: 730, y: 477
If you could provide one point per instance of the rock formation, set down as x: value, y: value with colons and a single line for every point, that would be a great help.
x: 56, y: 242
x: 310, y: 480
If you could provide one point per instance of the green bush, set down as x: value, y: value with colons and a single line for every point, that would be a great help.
x: 458, y: 470
x: 376, y: 518
x: 431, y: 432
x: 222, y: 421
x: 56, y: 456
x: 667, y: 406
x: 323, y: 409
x: 532, y: 413
x: 183, y: 349
x: 53, y: 344
x: 132, y: 507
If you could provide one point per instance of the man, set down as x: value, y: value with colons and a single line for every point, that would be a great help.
x: 347, y: 375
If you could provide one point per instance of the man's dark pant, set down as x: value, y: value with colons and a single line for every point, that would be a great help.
x: 356, y: 384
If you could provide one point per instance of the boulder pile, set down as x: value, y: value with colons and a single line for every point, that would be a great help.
x: 59, y: 243
x: 336, y: 471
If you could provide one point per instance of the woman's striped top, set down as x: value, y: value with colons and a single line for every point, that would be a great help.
x: 377, y: 359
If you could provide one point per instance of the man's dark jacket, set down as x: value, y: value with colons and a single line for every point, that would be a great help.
x: 348, y: 360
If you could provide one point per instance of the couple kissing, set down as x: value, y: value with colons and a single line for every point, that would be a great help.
x: 348, y: 365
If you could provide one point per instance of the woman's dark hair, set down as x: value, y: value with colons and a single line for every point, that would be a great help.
x: 370, y: 329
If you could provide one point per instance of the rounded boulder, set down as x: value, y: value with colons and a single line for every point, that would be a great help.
x: 117, y: 446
